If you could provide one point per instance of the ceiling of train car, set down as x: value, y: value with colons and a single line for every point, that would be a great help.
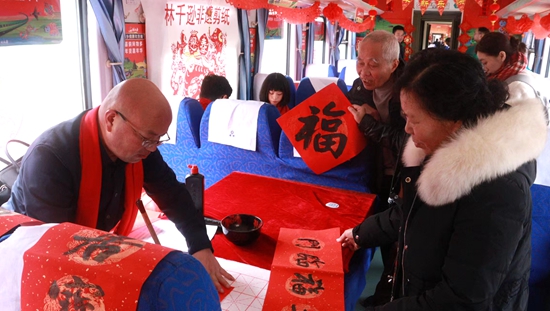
x: 509, y: 7
x: 530, y: 7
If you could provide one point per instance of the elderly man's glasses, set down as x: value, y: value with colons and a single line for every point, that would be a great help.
x: 145, y: 142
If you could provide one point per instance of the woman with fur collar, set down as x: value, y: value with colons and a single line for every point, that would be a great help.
x: 464, y: 219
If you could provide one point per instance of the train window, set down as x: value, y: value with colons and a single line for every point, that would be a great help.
x: 344, y: 45
x: 275, y: 52
x: 319, y: 41
x: 41, y: 84
x: 538, y: 54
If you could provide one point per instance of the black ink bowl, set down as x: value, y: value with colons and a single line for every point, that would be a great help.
x: 241, y: 229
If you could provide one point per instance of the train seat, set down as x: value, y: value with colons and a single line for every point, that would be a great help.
x: 539, y: 281
x: 352, y: 175
x: 187, y: 141
x: 259, y: 80
x: 321, y: 70
x: 310, y: 85
x: 217, y: 160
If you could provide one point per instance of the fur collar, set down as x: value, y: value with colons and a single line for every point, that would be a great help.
x: 497, y: 145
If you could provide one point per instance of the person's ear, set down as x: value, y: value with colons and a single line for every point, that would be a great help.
x: 394, y: 65
x: 225, y: 97
x: 109, y: 119
x: 502, y: 56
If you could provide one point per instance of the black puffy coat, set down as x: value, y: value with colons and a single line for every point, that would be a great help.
x: 464, y: 223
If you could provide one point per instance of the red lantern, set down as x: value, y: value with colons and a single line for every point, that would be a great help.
x: 373, y: 2
x: 493, y: 18
x: 333, y: 12
x: 372, y: 14
x: 494, y: 7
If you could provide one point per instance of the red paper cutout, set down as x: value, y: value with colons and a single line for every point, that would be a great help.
x: 306, y: 272
x: 322, y: 130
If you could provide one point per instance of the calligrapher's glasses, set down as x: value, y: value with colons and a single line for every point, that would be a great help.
x: 145, y: 142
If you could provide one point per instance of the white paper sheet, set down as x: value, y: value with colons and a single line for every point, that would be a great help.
x: 168, y: 234
x: 250, y: 286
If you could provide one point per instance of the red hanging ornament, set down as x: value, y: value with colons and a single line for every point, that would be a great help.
x: 248, y: 4
x: 493, y: 17
x: 405, y: 4
x: 464, y: 38
x: 298, y: 16
x: 356, y: 27
x: 524, y: 23
x: 373, y: 2
x: 460, y: 4
x: 512, y: 26
x: 441, y: 6
x: 545, y: 22
x: 537, y: 29
x: 372, y: 14
x: 424, y: 4
x: 333, y: 12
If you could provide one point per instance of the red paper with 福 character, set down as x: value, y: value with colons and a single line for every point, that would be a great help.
x: 307, y: 271
x: 73, y: 267
x: 322, y: 130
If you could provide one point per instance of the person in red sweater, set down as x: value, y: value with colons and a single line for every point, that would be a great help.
x: 214, y: 87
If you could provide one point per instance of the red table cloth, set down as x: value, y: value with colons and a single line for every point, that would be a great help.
x: 280, y: 204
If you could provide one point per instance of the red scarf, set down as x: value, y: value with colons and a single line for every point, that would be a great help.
x: 516, y: 64
x: 204, y: 102
x: 283, y: 109
x: 90, y: 182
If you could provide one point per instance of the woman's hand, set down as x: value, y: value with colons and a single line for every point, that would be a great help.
x: 347, y: 240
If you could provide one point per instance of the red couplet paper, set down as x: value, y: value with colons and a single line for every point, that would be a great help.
x: 322, y: 130
x: 9, y: 220
x: 77, y: 268
x: 307, y: 272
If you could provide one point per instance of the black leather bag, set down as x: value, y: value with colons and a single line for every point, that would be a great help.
x: 9, y: 173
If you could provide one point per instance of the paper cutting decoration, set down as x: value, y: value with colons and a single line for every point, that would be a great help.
x: 322, y: 130
x: 307, y: 271
x: 30, y: 22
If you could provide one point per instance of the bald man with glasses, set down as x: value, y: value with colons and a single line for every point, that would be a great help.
x: 90, y: 170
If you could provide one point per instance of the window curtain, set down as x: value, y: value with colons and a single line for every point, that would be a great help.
x: 335, y: 33
x: 310, y: 41
x: 110, y: 18
x: 244, y: 57
x: 299, y: 65
x: 352, y: 42
x: 262, y: 16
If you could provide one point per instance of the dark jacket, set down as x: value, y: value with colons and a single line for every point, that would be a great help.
x: 385, y: 135
x: 48, y: 186
x: 464, y: 223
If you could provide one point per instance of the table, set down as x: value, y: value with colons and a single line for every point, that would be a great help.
x: 288, y: 204
x: 280, y: 204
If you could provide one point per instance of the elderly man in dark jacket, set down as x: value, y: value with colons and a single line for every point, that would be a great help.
x: 377, y: 110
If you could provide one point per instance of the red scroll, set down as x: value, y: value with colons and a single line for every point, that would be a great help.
x: 307, y: 272
x: 81, y: 268
x: 10, y: 220
x: 322, y: 130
